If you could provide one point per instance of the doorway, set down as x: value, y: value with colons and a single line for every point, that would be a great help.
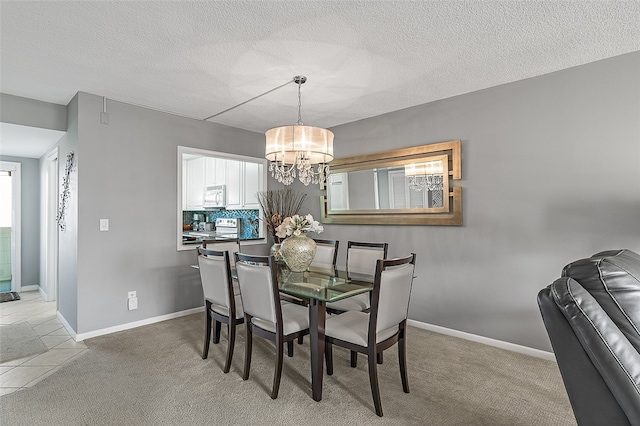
x: 10, y: 261
x: 50, y: 230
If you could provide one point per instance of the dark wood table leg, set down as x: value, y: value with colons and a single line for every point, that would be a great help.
x: 317, y: 316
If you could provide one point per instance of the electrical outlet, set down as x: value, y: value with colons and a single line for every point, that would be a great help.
x: 104, y: 225
x: 132, y: 303
x: 131, y: 294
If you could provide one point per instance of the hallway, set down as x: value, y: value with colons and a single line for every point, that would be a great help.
x: 41, y: 316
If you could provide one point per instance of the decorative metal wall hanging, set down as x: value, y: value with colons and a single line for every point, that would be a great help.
x: 66, y: 192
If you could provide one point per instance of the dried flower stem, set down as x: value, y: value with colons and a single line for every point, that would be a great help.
x: 278, y: 204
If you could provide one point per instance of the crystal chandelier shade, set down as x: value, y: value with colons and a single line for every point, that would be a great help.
x: 294, y: 149
x: 426, y: 175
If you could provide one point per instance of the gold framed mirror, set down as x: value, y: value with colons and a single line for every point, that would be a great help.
x: 409, y: 186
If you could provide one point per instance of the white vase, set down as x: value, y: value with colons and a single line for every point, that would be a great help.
x: 298, y: 252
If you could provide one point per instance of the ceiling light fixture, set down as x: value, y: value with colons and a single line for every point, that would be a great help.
x: 295, y: 149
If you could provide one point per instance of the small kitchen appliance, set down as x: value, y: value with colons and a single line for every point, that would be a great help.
x: 228, y: 227
x: 215, y: 197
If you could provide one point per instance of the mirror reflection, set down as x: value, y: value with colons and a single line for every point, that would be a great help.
x: 419, y: 185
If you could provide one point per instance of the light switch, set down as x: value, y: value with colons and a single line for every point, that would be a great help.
x: 104, y: 225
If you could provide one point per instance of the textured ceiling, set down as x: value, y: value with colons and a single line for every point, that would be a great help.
x: 362, y: 58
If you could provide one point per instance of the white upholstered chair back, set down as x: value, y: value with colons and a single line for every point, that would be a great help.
x: 230, y: 245
x: 213, y: 274
x: 256, y: 288
x: 325, y: 255
x: 395, y: 291
x: 362, y: 259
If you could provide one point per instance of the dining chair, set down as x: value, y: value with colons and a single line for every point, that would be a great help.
x: 383, y: 326
x: 361, y: 265
x: 265, y: 314
x: 326, y: 254
x: 232, y: 245
x: 221, y: 303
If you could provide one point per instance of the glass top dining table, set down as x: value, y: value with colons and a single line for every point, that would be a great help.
x: 326, y: 285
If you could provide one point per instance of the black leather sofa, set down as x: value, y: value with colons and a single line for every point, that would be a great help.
x: 592, y: 316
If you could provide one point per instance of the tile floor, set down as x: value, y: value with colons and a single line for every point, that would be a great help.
x: 25, y: 372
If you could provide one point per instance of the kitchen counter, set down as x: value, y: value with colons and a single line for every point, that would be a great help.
x: 196, y: 237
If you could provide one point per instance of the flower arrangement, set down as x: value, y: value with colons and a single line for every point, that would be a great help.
x: 298, y: 225
x: 277, y: 204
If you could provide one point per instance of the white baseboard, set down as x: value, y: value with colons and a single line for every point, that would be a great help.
x: 66, y: 325
x: 425, y: 326
x: 80, y: 337
x: 29, y: 288
x: 484, y: 340
x: 42, y: 293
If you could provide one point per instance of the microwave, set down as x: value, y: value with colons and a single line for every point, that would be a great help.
x: 215, y: 197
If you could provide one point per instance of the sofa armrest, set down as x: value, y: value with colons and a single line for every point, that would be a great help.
x: 609, y: 350
x: 590, y: 397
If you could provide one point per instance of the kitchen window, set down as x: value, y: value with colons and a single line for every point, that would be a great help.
x: 213, y: 185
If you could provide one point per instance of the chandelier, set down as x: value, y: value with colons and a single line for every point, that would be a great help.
x: 293, y: 150
x: 427, y: 175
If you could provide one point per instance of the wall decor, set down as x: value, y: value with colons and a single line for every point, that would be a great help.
x: 409, y: 186
x: 66, y: 192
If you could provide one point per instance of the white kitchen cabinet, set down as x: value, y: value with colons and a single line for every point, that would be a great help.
x: 251, y: 186
x: 195, y: 185
x: 215, y: 171
x: 234, y: 184
x: 242, y: 179
x: 243, y: 183
x: 184, y: 184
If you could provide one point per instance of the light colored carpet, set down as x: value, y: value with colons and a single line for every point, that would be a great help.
x: 154, y: 375
x: 19, y: 340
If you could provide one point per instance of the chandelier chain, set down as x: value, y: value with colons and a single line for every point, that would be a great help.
x: 299, y: 103
x: 294, y: 150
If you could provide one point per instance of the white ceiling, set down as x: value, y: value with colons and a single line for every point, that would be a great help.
x: 26, y: 141
x: 362, y: 58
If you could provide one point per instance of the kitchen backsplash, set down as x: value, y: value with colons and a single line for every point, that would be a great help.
x: 248, y: 229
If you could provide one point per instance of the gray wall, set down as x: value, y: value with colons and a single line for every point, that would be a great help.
x: 68, y: 239
x: 29, y: 112
x: 127, y: 172
x: 30, y: 218
x: 550, y: 174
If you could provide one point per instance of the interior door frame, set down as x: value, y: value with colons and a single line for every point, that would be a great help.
x: 16, y: 228
x: 51, y: 171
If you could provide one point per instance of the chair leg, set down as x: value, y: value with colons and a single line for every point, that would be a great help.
x: 402, y: 358
x: 354, y: 359
x: 373, y: 379
x: 231, y: 344
x: 379, y: 356
x: 207, y: 334
x: 247, y: 351
x: 216, y: 332
x: 300, y: 340
x: 328, y: 357
x: 290, y: 348
x: 278, y: 372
